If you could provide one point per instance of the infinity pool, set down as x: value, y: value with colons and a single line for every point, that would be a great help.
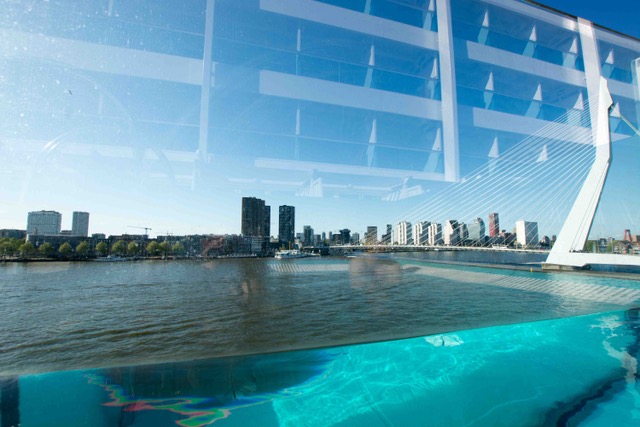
x: 572, y: 371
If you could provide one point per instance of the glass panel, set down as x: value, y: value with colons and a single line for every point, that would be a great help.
x: 212, y: 179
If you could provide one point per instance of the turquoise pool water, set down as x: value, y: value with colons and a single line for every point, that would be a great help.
x: 572, y: 371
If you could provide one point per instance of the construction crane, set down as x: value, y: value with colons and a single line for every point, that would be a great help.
x: 146, y: 229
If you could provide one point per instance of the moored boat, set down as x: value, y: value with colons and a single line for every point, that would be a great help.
x: 290, y: 254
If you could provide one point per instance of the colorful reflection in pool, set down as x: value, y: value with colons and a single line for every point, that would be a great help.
x: 572, y: 371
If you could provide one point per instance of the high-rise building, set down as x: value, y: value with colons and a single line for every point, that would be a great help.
x: 286, y: 225
x: 435, y: 234
x: 267, y: 222
x: 371, y: 236
x: 253, y: 217
x: 256, y: 220
x: 43, y: 223
x: 80, y: 224
x: 345, y: 236
x: 421, y: 233
x: 451, y: 233
x: 387, y: 238
x: 404, y: 233
x: 355, y: 239
x: 526, y: 233
x: 463, y: 232
x: 494, y: 225
x: 307, y: 235
x: 476, y: 231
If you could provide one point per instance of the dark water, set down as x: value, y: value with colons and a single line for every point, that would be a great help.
x: 58, y: 316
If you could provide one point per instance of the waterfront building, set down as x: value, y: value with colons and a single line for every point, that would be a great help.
x: 526, y: 233
x: 451, y: 232
x: 476, y: 231
x: 80, y: 224
x: 421, y: 233
x: 463, y: 232
x: 345, y: 236
x: 253, y: 217
x: 355, y: 239
x: 13, y: 233
x: 336, y: 239
x: 435, y: 234
x: 387, y: 238
x: 256, y: 220
x: 267, y: 222
x: 494, y: 225
x: 286, y: 225
x: 404, y: 233
x: 43, y: 223
x: 371, y: 236
x: 507, y: 238
x: 307, y: 235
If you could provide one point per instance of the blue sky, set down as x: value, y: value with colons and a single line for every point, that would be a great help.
x: 619, y: 15
x: 134, y: 114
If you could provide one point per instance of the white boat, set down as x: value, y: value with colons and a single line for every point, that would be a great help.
x: 290, y: 254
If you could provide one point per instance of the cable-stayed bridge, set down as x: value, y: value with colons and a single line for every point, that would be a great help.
x: 543, y: 177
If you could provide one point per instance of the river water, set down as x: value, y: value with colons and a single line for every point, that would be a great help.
x: 60, y: 316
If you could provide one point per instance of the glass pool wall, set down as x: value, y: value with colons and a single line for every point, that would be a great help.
x: 573, y: 371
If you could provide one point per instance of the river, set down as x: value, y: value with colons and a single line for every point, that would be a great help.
x: 60, y: 316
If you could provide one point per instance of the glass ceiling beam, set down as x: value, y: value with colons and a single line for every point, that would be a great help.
x: 355, y: 21
x: 322, y: 91
x: 448, y: 88
x: 207, y: 70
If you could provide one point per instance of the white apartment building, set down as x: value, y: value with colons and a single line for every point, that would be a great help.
x: 403, y: 232
x: 527, y: 233
x: 43, y: 223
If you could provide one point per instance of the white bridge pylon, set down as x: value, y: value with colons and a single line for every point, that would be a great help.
x: 567, y: 252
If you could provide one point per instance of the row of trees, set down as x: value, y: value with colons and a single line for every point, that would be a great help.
x: 153, y: 248
x: 10, y: 247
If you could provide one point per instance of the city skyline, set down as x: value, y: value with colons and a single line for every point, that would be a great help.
x: 352, y: 163
x: 254, y: 212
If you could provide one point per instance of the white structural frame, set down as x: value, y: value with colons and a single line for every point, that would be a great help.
x: 567, y: 252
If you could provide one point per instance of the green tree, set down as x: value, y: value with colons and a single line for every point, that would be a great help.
x: 5, y: 248
x: 82, y: 250
x: 9, y: 247
x: 177, y: 248
x: 119, y: 247
x: 153, y: 248
x: 26, y: 249
x: 46, y: 249
x: 132, y: 248
x: 101, y: 248
x: 65, y: 249
x: 165, y: 248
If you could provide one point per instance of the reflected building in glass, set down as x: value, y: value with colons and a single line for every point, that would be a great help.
x: 381, y: 99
